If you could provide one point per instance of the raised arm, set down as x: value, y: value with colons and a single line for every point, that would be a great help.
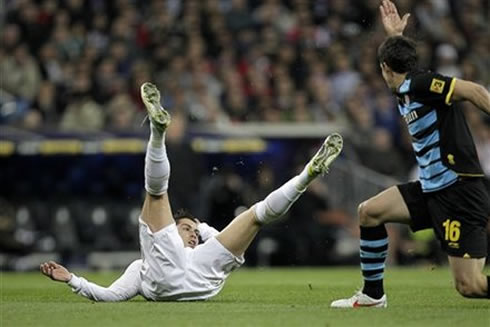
x: 392, y: 23
x: 473, y: 92
x: 124, y: 288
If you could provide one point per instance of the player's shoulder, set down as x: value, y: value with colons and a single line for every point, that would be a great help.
x: 422, y: 76
x: 428, y: 82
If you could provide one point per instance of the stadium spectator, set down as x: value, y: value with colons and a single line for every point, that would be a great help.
x: 380, y: 154
x: 122, y: 114
x: 113, y: 38
x: 83, y: 113
x: 20, y: 73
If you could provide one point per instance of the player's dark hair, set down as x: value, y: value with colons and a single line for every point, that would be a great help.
x: 184, y: 213
x: 399, y: 53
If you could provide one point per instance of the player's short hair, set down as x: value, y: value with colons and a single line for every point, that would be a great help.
x: 184, y: 213
x: 399, y: 53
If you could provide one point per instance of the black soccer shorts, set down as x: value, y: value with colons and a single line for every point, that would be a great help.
x: 458, y: 214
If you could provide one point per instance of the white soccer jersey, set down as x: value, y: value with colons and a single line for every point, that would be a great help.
x: 168, y: 271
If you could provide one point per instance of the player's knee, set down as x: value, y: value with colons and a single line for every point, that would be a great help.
x: 466, y: 287
x: 366, y: 215
x: 362, y: 213
x: 154, y: 196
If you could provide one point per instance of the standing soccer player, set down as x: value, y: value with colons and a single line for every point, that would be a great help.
x: 174, y: 267
x: 450, y: 195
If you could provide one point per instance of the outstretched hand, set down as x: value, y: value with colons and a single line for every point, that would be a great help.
x: 393, y: 24
x: 55, y: 271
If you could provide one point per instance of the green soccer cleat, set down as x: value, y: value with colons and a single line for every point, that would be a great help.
x: 159, y: 117
x: 329, y: 150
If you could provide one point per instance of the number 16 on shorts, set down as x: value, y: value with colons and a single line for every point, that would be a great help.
x: 452, y: 232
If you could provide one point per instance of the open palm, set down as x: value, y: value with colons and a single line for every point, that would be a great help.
x: 393, y: 24
x: 55, y: 271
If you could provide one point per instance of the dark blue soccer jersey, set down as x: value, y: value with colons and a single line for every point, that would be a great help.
x: 441, y: 139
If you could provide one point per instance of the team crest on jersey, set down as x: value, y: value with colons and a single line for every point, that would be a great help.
x: 437, y: 85
x: 406, y: 99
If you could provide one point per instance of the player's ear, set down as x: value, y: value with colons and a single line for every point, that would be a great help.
x: 385, y: 67
x: 387, y: 70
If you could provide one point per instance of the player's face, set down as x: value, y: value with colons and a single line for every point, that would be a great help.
x: 188, y: 231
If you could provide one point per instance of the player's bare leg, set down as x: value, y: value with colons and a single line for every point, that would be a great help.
x: 156, y: 212
x: 238, y: 235
x: 387, y: 206
x: 468, y: 276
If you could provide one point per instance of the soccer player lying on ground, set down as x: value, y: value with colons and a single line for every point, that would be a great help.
x: 450, y: 195
x: 173, y: 266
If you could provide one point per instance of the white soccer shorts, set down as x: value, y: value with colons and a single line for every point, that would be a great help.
x: 172, y: 272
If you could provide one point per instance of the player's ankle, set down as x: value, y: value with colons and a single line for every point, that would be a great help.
x: 373, y: 289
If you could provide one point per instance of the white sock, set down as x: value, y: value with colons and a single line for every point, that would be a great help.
x: 157, y: 138
x: 157, y: 166
x: 304, y: 179
x: 278, y: 202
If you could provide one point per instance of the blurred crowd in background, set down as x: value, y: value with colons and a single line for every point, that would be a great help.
x: 77, y: 66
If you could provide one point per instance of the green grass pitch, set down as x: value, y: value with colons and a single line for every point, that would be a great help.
x: 251, y: 297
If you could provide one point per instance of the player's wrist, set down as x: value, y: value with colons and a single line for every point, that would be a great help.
x: 70, y: 277
x: 393, y: 32
x: 74, y: 282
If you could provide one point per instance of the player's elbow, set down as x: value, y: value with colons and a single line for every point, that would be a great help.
x: 110, y: 296
x: 110, y: 299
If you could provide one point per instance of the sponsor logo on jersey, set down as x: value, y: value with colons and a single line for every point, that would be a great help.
x: 453, y: 245
x: 437, y: 86
x: 411, y: 116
